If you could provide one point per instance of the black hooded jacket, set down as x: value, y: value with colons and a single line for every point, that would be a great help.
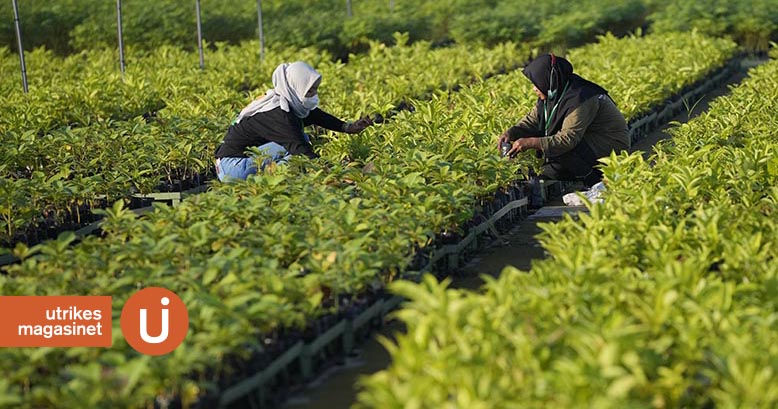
x: 574, y: 110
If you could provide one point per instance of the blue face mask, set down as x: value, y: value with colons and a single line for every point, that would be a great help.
x: 310, y: 103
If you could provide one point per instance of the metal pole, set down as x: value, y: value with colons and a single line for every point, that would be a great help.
x: 199, y: 35
x: 19, y: 44
x: 261, y: 31
x: 121, y: 38
x: 348, y: 8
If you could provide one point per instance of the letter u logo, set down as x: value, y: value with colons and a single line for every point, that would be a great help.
x: 143, y: 306
x: 144, y: 331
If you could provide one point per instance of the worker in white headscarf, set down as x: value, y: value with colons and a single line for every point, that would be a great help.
x: 274, y: 123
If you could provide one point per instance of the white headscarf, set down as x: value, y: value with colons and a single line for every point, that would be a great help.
x: 290, y: 84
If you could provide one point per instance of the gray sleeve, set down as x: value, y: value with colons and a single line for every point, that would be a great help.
x: 527, y: 126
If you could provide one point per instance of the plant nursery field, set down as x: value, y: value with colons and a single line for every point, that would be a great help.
x: 662, y: 296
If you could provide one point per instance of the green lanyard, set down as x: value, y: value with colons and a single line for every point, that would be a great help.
x: 553, y: 110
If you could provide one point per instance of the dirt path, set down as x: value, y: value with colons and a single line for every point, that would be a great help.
x: 337, y: 388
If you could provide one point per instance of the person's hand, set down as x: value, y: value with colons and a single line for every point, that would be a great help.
x: 359, y: 125
x: 503, y: 139
x: 522, y: 144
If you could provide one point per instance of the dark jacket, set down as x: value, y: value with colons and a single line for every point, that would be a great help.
x: 596, y: 122
x: 574, y: 110
x: 277, y: 126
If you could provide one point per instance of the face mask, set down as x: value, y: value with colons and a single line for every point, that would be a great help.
x: 310, y: 102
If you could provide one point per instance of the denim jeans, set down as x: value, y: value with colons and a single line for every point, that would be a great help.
x: 241, y: 168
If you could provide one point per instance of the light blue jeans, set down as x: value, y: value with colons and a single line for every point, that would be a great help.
x: 241, y: 168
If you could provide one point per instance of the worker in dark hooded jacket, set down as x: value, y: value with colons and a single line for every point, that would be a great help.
x: 573, y: 124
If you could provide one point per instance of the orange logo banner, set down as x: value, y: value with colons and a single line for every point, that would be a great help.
x: 55, y: 321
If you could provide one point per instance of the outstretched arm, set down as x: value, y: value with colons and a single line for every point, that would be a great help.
x: 328, y: 121
x: 323, y: 119
x: 527, y: 126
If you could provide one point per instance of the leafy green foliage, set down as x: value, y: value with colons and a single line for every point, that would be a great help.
x: 752, y: 23
x: 161, y: 124
x: 289, y: 245
x: 662, y: 296
x: 76, y: 25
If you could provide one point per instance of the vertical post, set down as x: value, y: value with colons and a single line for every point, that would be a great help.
x: 261, y: 31
x: 19, y: 45
x: 121, y: 38
x: 348, y: 8
x: 199, y: 34
x: 391, y: 6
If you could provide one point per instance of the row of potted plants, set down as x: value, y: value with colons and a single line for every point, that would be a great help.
x: 50, y: 167
x: 661, y: 296
x: 296, y: 242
